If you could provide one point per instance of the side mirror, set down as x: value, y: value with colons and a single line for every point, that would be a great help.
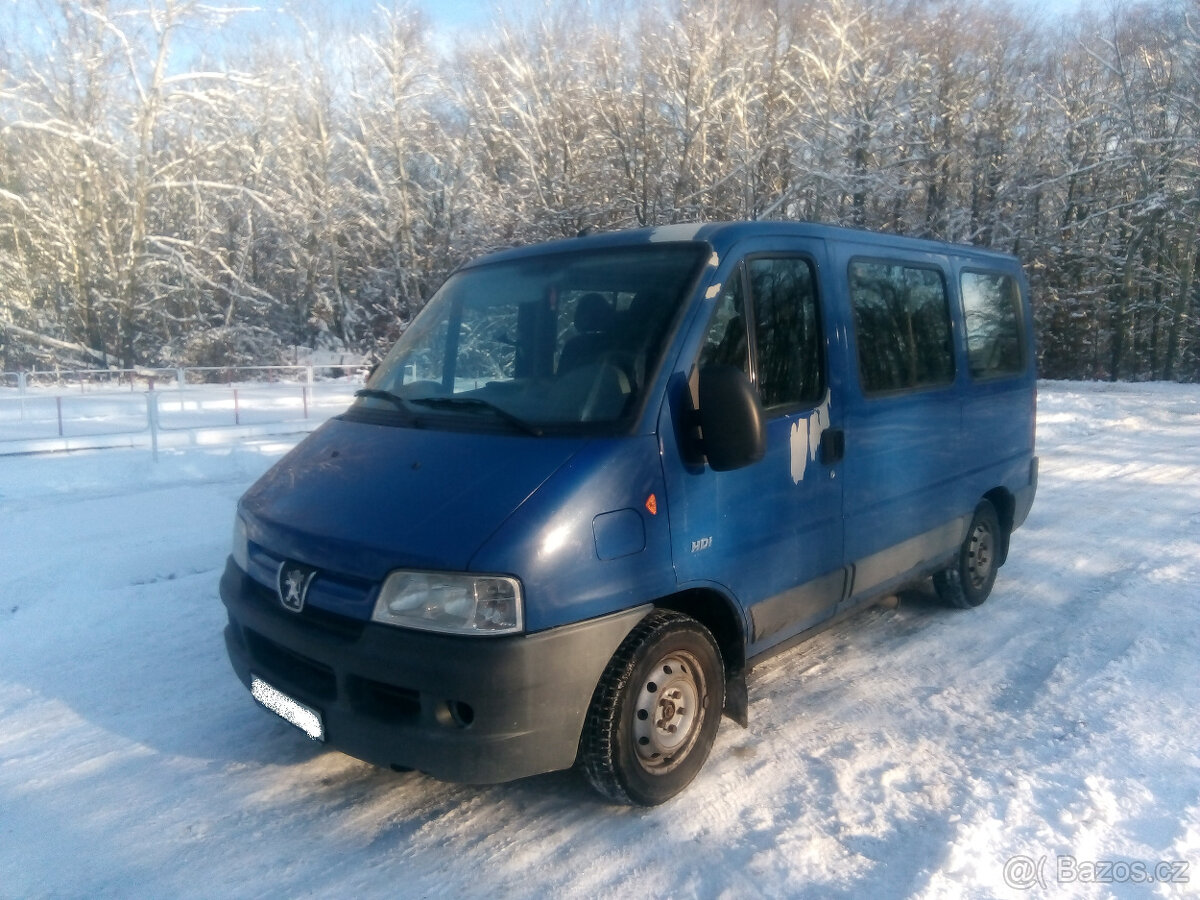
x: 732, y: 424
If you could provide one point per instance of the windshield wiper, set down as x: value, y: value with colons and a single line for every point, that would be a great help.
x: 377, y: 394
x: 477, y: 403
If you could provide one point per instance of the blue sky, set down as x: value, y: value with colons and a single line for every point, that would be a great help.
x: 451, y: 19
x: 469, y: 13
x: 447, y: 14
x: 476, y: 14
x: 469, y: 18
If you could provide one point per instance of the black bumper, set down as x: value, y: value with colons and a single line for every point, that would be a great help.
x: 475, y: 710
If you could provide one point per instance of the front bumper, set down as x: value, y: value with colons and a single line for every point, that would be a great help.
x: 472, y: 709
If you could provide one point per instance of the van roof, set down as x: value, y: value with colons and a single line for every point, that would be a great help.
x: 723, y: 235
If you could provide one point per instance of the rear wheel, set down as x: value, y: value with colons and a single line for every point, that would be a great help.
x: 655, y: 713
x: 969, y: 581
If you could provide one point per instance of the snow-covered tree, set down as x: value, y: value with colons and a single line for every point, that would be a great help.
x: 188, y: 181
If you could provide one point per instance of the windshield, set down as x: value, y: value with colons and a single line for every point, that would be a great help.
x: 540, y: 342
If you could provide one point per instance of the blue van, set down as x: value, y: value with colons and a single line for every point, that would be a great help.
x: 597, y: 480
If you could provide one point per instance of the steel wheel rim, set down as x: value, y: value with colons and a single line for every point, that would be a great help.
x: 980, y: 556
x: 667, y: 713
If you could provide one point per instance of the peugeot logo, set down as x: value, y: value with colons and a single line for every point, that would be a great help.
x: 292, y: 583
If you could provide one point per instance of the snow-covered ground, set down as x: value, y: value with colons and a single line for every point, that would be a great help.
x: 44, y: 419
x: 909, y: 752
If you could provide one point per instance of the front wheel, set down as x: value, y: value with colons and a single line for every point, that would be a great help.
x: 655, y: 712
x: 969, y: 581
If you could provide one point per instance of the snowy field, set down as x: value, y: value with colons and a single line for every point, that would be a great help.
x: 59, y: 417
x: 911, y: 752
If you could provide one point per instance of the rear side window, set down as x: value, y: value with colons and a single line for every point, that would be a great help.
x: 992, y: 309
x: 902, y: 326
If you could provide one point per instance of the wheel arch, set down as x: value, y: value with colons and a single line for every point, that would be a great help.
x: 1005, y: 505
x: 721, y: 616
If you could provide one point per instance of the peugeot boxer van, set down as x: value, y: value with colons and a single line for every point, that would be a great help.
x: 597, y: 480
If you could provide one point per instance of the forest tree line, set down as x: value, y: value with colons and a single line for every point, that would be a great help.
x: 183, y: 185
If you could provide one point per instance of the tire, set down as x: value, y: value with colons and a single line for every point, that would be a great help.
x: 969, y: 581
x: 655, y: 712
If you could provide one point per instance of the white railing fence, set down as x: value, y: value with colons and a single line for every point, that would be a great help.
x: 84, y: 380
x: 42, y: 411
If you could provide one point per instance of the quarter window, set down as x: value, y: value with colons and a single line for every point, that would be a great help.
x: 725, y: 343
x: 902, y: 326
x: 992, y: 307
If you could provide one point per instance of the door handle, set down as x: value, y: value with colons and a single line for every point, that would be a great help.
x: 833, y: 445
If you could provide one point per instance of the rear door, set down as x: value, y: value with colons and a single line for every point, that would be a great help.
x: 770, y: 533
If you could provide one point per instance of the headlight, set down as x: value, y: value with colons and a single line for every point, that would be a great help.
x: 241, y: 544
x: 447, y: 602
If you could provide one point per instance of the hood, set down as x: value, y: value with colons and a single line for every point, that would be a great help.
x: 363, y: 499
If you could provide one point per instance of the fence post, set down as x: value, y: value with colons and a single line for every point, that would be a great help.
x: 180, y: 377
x: 21, y: 383
x: 237, y: 413
x: 310, y: 381
x: 304, y: 395
x: 58, y: 405
x: 152, y: 418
